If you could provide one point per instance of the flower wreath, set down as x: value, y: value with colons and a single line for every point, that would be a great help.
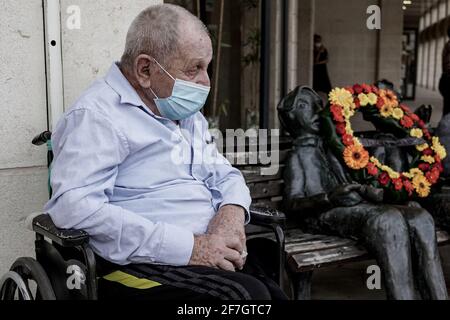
x: 345, y: 102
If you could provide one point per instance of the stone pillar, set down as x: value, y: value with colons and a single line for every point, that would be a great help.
x: 276, y: 62
x: 305, y: 59
x: 390, y: 42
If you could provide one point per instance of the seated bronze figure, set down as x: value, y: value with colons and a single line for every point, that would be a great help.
x: 322, y: 197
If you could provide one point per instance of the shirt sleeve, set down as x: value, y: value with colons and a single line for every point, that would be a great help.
x: 88, y: 151
x: 228, y: 180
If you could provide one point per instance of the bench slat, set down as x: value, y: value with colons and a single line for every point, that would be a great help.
x: 266, y: 189
x: 312, y: 260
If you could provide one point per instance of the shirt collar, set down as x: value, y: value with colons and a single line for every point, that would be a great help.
x: 117, y: 81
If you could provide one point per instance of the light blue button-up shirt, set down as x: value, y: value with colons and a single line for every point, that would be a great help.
x: 120, y: 173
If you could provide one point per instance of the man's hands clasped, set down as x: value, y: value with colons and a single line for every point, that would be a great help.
x: 224, y: 245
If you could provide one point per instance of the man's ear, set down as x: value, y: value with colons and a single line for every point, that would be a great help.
x: 144, y: 68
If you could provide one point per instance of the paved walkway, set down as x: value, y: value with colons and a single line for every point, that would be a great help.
x: 349, y: 282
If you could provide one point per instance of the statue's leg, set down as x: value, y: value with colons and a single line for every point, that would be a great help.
x: 384, y: 232
x: 429, y: 275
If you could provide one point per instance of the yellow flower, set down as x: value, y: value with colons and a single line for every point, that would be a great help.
x: 398, y: 113
x: 341, y: 97
x: 363, y: 99
x: 408, y: 175
x: 348, y: 127
x: 348, y: 113
x: 439, y: 148
x: 422, y: 147
x: 372, y: 98
x: 416, y: 133
x: 422, y: 186
x: 392, y: 174
x: 428, y: 159
x: 386, y: 111
x: 416, y: 172
x: 376, y: 162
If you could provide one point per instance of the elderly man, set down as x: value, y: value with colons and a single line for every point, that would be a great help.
x: 163, y: 228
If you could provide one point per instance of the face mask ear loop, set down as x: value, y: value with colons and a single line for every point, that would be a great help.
x: 154, y: 93
x: 162, y: 68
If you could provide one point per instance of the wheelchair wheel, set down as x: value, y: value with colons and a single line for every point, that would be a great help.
x: 24, y: 274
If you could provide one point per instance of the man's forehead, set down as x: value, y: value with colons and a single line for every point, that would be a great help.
x: 197, y: 51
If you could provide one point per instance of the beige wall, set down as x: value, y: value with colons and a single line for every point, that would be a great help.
x: 87, y: 54
x: 22, y: 114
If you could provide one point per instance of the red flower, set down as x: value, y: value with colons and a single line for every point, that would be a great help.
x: 350, y: 89
x: 438, y: 166
x: 380, y: 102
x: 427, y: 134
x: 357, y: 88
x: 407, y: 122
x: 428, y: 152
x: 340, y: 129
x: 414, y: 117
x: 433, y: 176
x: 347, y: 140
x: 375, y: 90
x: 337, y: 113
x: 366, y: 88
x: 372, y: 169
x: 424, y: 167
x: 421, y: 124
x: 357, y: 103
x: 405, y: 108
x: 384, y: 179
x: 398, y: 184
x: 408, y: 187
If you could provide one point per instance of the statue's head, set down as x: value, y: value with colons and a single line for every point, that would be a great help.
x: 299, y: 112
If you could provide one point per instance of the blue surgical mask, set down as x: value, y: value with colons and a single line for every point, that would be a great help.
x: 187, y: 99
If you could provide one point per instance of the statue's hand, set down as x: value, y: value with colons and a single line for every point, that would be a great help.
x: 346, y: 195
x: 372, y: 194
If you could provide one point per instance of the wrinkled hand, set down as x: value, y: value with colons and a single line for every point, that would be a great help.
x: 346, y: 195
x: 217, y: 251
x: 229, y: 223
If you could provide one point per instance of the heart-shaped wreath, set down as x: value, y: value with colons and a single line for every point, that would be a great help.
x: 385, y: 106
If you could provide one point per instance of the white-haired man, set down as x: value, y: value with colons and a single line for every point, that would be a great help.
x: 162, y: 228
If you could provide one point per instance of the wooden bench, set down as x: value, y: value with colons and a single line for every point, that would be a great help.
x: 304, y: 252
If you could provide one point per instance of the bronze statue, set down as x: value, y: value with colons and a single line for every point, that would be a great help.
x: 320, y: 195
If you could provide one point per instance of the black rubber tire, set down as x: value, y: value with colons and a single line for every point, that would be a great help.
x: 29, y: 269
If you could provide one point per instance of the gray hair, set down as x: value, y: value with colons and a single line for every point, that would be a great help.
x: 156, y: 31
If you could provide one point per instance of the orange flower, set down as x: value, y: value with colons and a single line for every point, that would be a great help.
x: 356, y: 157
x: 389, y: 97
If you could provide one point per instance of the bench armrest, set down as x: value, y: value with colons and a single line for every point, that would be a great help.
x: 265, y: 216
x: 44, y: 226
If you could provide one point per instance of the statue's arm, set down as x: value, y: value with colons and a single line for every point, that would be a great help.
x: 295, y: 200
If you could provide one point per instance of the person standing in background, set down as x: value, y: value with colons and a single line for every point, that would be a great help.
x: 321, y: 81
x: 444, y: 84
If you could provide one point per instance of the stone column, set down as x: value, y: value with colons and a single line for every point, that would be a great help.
x: 390, y: 42
x: 306, y: 22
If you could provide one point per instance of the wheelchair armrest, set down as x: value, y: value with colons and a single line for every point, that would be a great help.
x: 44, y: 226
x: 265, y: 216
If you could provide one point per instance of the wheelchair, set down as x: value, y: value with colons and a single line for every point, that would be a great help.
x: 64, y: 267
